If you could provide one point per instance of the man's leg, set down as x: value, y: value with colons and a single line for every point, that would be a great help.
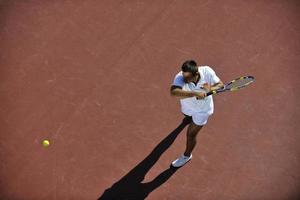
x: 191, y: 139
x: 198, y: 121
x: 192, y: 132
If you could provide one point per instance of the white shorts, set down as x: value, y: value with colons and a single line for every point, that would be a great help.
x: 199, y: 118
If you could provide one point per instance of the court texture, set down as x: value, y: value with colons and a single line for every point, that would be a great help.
x: 93, y: 78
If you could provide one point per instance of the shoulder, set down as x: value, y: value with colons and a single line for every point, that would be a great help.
x: 204, y: 68
x: 179, y: 74
x: 178, y: 80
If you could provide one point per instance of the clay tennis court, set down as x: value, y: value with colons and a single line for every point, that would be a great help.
x: 93, y: 77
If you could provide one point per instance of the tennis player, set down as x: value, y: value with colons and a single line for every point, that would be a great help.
x: 190, y: 85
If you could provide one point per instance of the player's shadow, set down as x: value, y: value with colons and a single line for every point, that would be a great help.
x: 130, y: 187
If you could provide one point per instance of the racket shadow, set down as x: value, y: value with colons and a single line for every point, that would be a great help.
x: 130, y: 187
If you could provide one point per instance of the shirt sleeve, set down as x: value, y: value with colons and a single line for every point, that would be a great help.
x: 178, y: 80
x: 213, y: 78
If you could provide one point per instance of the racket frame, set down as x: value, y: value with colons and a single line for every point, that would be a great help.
x: 225, y: 88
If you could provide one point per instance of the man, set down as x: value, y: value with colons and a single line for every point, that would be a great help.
x: 191, y: 85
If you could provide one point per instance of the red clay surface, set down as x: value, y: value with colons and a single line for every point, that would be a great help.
x: 93, y: 77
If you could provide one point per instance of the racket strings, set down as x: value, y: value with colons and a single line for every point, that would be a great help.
x: 240, y: 83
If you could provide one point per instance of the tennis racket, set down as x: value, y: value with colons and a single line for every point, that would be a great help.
x: 234, y: 85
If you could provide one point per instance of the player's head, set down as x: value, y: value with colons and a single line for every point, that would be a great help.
x: 189, y: 70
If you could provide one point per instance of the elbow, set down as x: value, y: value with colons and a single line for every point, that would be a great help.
x: 174, y: 90
x: 222, y: 84
x: 172, y: 93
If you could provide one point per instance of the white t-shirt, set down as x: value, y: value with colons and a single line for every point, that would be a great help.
x: 192, y: 105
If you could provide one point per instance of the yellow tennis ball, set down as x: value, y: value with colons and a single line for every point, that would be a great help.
x: 46, y: 143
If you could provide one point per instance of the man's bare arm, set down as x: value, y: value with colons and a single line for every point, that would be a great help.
x: 178, y: 92
x: 217, y: 86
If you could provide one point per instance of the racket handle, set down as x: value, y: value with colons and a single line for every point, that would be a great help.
x: 211, y: 92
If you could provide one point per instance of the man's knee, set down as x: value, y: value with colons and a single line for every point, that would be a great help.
x: 193, y: 130
x: 195, y: 127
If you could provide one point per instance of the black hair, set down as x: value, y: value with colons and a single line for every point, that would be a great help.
x: 189, y: 66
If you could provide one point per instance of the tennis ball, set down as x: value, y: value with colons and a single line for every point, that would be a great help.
x: 46, y: 143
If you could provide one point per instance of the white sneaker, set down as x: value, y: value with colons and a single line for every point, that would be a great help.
x: 179, y: 162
